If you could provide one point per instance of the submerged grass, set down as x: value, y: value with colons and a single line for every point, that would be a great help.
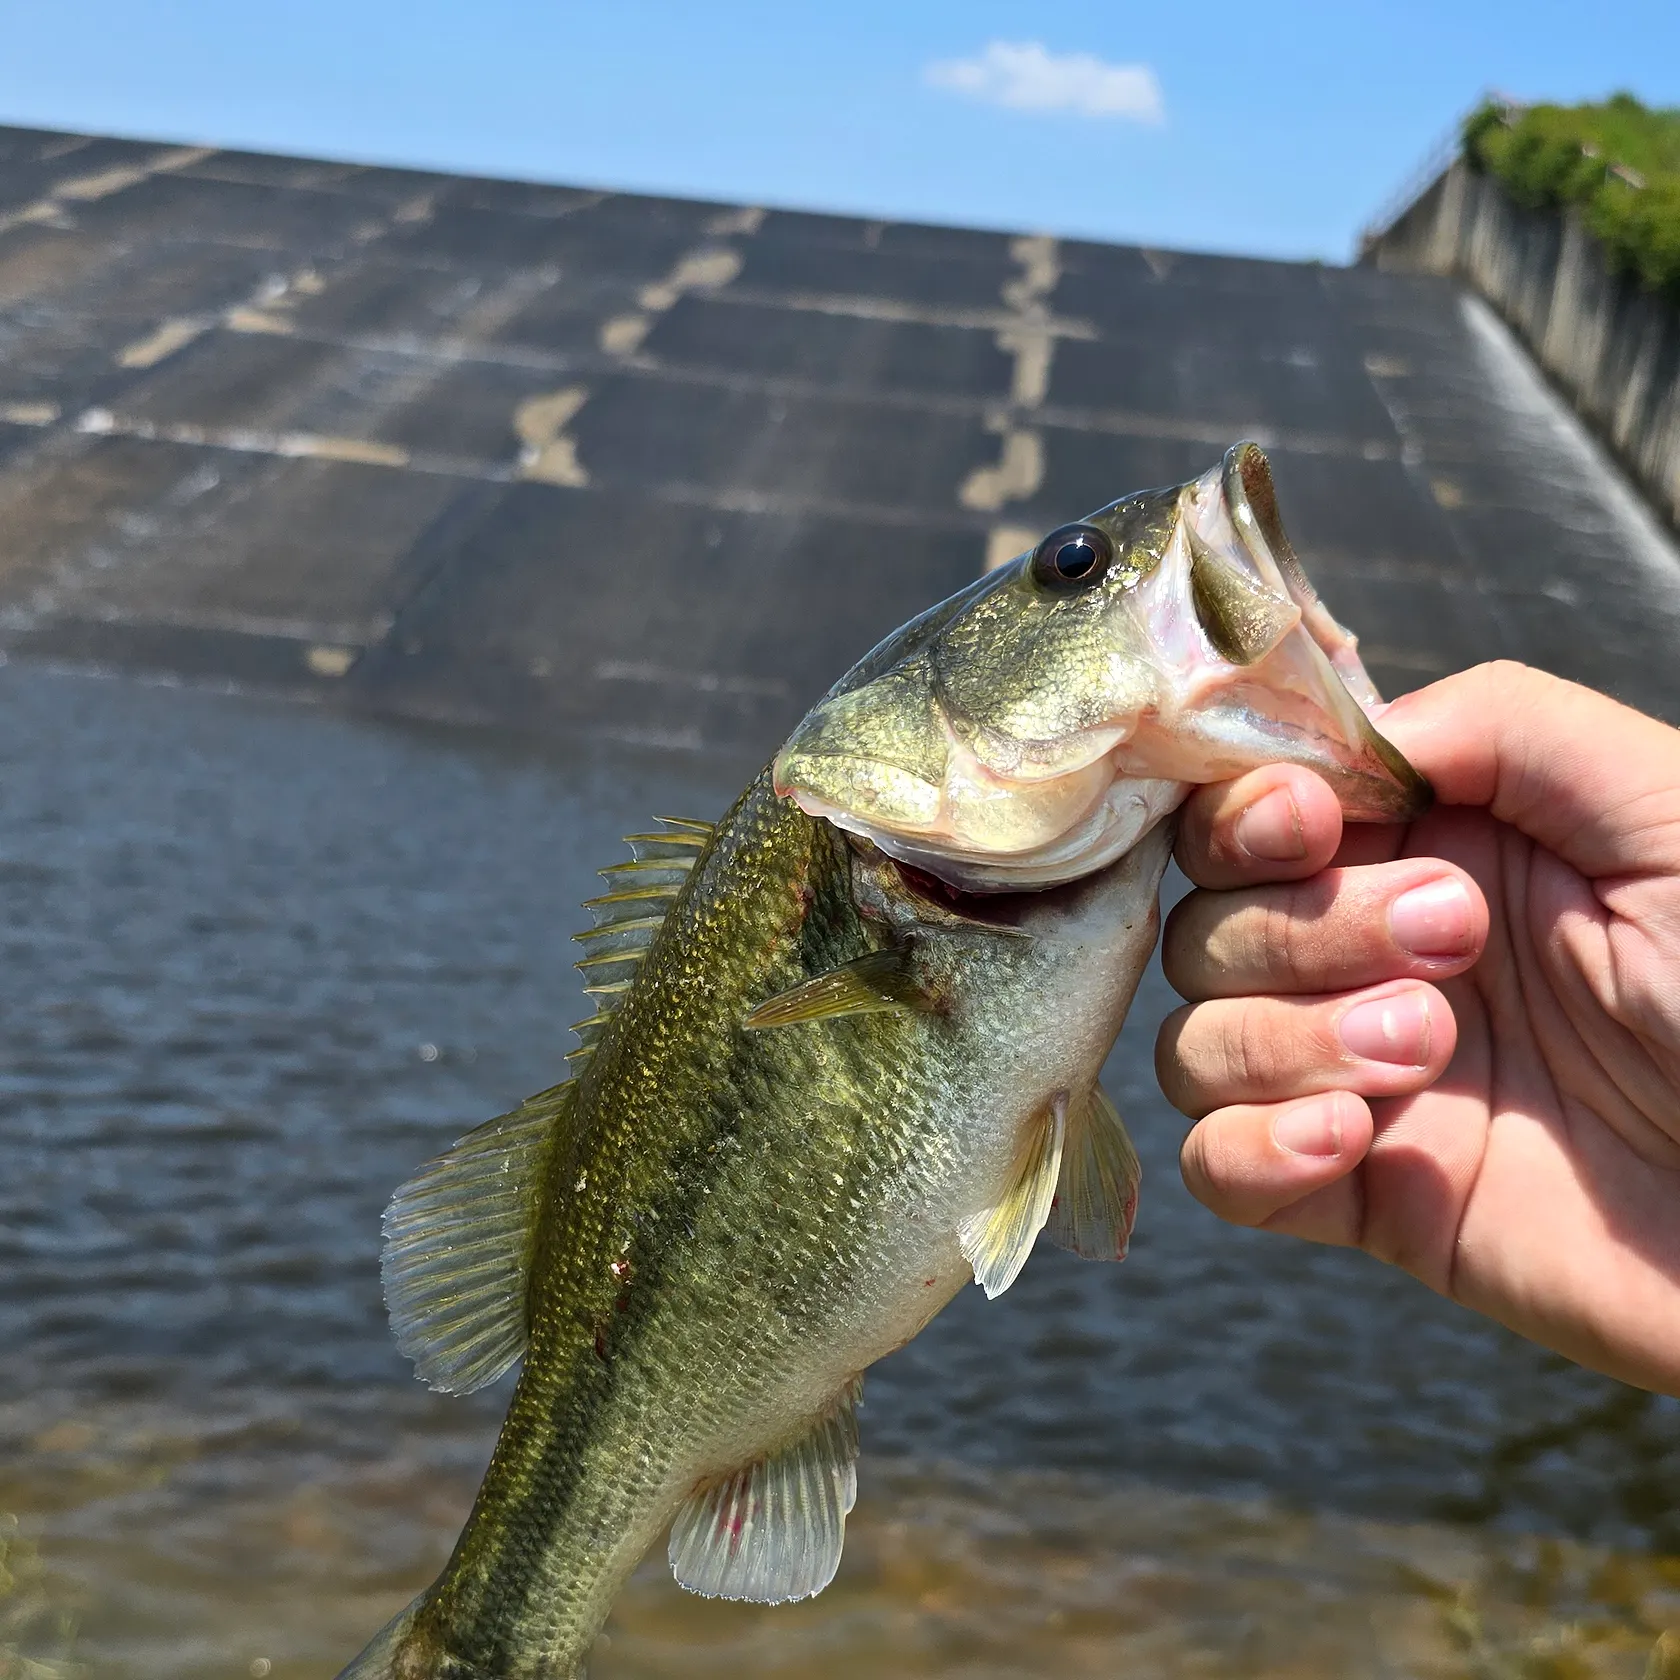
x: 1548, y: 1611
x: 1619, y: 161
x: 36, y: 1629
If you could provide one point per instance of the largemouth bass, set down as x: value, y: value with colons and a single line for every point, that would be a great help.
x: 845, y: 1061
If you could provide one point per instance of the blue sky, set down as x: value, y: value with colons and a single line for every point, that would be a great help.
x: 1275, y: 129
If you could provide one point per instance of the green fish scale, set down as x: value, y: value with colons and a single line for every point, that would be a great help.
x: 744, y: 1184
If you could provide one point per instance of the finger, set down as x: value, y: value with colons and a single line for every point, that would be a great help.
x: 1288, y: 1167
x: 1418, y: 919
x: 1386, y: 1041
x: 1368, y: 843
x: 1277, y: 823
x: 1587, y: 777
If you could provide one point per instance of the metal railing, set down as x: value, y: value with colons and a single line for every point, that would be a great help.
x: 1436, y: 160
x: 1441, y: 155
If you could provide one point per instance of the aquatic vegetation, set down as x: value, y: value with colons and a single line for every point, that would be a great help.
x: 37, y: 1625
x: 1549, y: 1611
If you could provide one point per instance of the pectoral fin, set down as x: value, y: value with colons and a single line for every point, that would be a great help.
x: 997, y: 1240
x: 1096, y: 1196
x: 774, y: 1530
x: 869, y: 985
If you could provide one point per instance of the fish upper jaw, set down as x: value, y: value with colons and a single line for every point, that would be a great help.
x: 1260, y: 673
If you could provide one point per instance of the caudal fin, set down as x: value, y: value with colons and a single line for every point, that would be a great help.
x: 379, y: 1660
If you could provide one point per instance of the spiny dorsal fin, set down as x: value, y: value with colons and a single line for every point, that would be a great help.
x: 868, y: 985
x: 628, y: 918
x: 774, y: 1531
x: 997, y: 1240
x: 458, y: 1239
x: 1096, y: 1196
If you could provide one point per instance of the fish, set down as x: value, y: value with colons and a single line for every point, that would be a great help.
x: 843, y: 1062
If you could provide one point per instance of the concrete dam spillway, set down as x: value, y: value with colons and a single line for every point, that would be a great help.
x: 559, y: 459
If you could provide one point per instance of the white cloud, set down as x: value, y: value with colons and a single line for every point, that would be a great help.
x: 1027, y: 76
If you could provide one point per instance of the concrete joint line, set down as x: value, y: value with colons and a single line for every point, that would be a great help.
x: 51, y: 209
x: 547, y: 453
x: 898, y: 311
x: 163, y: 340
x: 268, y: 308
x: 1017, y: 474
x: 1005, y: 542
x: 1028, y: 336
x: 709, y: 266
x: 29, y: 413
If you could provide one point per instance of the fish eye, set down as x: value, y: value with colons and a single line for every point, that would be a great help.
x: 1071, y: 558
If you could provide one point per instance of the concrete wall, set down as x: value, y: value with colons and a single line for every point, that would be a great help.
x: 1613, y: 346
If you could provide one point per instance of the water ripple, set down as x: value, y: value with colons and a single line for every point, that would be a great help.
x: 261, y: 961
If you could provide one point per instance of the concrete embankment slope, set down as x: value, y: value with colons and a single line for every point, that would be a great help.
x: 557, y: 458
x: 1611, y: 343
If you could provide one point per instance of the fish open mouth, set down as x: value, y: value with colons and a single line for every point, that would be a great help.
x: 1033, y: 728
x: 995, y: 907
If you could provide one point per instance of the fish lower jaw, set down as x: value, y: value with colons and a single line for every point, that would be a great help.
x: 1131, y: 807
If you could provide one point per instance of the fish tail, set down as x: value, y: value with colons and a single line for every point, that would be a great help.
x: 379, y: 1661
x: 392, y: 1655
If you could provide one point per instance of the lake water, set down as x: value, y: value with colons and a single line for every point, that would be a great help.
x: 259, y: 961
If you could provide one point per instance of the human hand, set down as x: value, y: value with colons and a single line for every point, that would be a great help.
x: 1453, y: 1043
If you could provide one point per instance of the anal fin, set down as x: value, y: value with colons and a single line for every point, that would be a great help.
x: 774, y: 1531
x: 1096, y: 1196
x: 878, y: 982
x: 997, y: 1240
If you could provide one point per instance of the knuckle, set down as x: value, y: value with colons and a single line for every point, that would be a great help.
x: 1199, y: 837
x: 1193, y: 1160
x: 1217, y: 1168
x: 1243, y: 1050
x: 1181, y: 948
x: 1282, y: 955
x: 1306, y: 930
x: 1501, y: 676
x: 1171, y: 1068
x: 1502, y: 687
x: 1247, y: 1050
x: 1218, y: 1159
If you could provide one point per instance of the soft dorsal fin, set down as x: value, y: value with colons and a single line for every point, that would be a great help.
x: 1096, y: 1196
x: 997, y: 1240
x: 868, y: 985
x: 458, y: 1241
x: 774, y: 1530
x: 629, y: 917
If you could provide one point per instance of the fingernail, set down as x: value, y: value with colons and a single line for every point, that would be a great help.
x: 1270, y: 829
x: 1389, y: 1029
x: 1313, y: 1127
x: 1432, y: 920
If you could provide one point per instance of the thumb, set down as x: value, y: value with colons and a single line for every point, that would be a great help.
x: 1588, y: 778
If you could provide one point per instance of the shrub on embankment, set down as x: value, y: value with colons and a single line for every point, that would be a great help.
x: 1619, y: 161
